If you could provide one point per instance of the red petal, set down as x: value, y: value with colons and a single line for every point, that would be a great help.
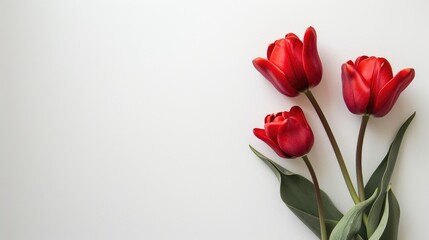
x: 385, y: 73
x: 269, y: 118
x: 270, y: 49
x: 294, y: 111
x: 356, y: 91
x: 279, y: 117
x: 297, y: 112
x: 295, y: 138
x: 271, y: 130
x: 388, y: 95
x: 286, y: 114
x: 290, y: 35
x: 293, y: 64
x: 367, y: 67
x: 360, y: 59
x: 278, y: 54
x: 382, y: 75
x: 311, y: 59
x: 275, y: 76
x: 260, y: 133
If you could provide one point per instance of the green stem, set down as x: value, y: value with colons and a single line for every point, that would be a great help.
x: 334, y: 144
x: 359, y: 146
x: 323, y: 233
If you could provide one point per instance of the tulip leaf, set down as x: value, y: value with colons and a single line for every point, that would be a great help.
x: 298, y: 194
x: 383, y: 222
x: 381, y: 179
x: 350, y: 224
x: 391, y: 231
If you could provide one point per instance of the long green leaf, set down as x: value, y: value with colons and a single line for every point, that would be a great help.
x: 381, y: 180
x: 383, y: 222
x: 350, y: 224
x: 391, y: 231
x: 299, y: 195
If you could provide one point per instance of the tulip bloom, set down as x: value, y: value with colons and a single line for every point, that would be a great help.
x: 287, y: 133
x: 369, y: 86
x: 292, y: 66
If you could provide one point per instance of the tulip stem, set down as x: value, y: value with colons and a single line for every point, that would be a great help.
x: 359, y: 146
x: 323, y: 233
x: 335, y: 147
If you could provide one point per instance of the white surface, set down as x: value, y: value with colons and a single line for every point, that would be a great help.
x: 132, y: 119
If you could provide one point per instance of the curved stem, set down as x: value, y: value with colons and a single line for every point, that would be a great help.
x: 323, y: 233
x: 359, y: 146
x: 334, y: 144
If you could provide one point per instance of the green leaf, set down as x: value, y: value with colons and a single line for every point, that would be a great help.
x: 298, y: 194
x: 381, y: 179
x: 375, y: 181
x: 383, y: 222
x: 391, y: 231
x: 350, y: 224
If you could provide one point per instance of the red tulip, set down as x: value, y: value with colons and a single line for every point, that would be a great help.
x: 292, y: 66
x: 369, y: 86
x: 287, y: 133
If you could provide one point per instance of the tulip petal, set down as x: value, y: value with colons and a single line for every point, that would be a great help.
x: 389, y: 94
x: 277, y: 54
x: 272, y: 129
x: 311, y: 59
x: 367, y: 67
x: 291, y: 35
x: 260, y: 133
x: 269, y: 118
x: 356, y: 91
x: 297, y: 112
x: 382, y: 74
x: 293, y: 63
x: 295, y: 138
x: 270, y: 49
x: 385, y: 74
x: 275, y: 76
x: 360, y: 59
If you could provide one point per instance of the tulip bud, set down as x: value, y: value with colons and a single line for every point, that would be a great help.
x: 292, y: 65
x: 369, y: 86
x: 287, y: 133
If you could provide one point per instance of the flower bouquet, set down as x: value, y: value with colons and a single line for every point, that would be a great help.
x: 369, y: 89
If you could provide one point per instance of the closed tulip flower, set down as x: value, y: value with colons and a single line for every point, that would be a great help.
x: 287, y: 133
x: 292, y: 65
x: 369, y: 86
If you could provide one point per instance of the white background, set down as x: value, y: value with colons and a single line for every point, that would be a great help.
x: 132, y: 119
